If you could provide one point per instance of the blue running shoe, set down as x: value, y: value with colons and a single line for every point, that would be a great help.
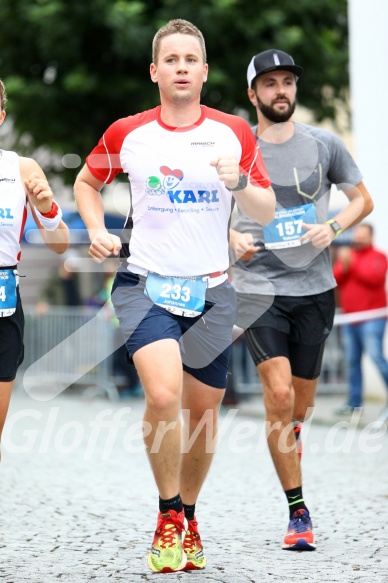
x: 300, y: 536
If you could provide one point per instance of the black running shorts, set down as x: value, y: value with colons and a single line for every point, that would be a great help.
x: 293, y: 327
x: 11, y: 343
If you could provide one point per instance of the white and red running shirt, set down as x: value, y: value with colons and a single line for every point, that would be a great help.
x: 13, y: 208
x: 180, y: 210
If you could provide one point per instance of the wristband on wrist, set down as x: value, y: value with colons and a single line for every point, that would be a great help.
x: 50, y: 220
x: 335, y: 227
x: 53, y: 212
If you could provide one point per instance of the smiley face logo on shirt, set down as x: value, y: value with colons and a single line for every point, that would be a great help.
x: 171, y: 177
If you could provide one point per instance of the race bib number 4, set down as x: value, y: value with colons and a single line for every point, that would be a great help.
x: 8, y: 293
x: 178, y: 295
x: 286, y: 228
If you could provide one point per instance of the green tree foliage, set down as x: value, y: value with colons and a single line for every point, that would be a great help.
x: 72, y: 67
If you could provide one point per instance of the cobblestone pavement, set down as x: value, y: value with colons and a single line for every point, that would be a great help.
x: 79, y: 503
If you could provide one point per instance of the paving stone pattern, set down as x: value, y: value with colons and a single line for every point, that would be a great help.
x: 79, y: 503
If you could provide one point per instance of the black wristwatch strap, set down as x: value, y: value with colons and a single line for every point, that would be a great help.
x: 242, y: 183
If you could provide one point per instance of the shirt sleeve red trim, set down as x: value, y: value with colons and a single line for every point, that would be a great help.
x: 251, y: 161
x: 104, y: 160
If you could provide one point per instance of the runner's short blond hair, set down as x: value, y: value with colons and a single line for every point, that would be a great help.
x: 173, y: 27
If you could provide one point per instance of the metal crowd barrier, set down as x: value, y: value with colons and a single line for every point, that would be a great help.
x: 71, y: 346
x: 64, y: 347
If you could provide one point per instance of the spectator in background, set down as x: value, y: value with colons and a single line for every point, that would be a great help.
x: 360, y: 273
x: 62, y: 287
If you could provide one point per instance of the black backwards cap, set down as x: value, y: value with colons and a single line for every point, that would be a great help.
x: 271, y: 60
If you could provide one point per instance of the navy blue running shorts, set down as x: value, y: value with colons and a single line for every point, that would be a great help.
x: 205, y: 340
x: 11, y: 343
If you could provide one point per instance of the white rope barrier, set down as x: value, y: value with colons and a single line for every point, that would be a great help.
x: 360, y: 316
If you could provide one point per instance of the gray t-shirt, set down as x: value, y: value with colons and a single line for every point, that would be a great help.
x: 302, y: 171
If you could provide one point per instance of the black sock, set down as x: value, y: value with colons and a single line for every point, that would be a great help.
x: 189, y: 511
x: 295, y: 500
x: 171, y: 504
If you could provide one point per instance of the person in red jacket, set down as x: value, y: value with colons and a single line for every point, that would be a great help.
x: 360, y: 272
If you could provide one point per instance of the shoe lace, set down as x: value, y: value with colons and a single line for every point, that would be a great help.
x: 191, y: 536
x: 167, y: 529
x: 299, y: 520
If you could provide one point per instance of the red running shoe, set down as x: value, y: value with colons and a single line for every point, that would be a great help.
x: 193, y: 548
x: 167, y: 555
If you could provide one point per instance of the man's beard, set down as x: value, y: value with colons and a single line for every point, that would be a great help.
x: 275, y: 116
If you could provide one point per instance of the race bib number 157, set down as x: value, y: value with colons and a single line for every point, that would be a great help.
x: 286, y: 228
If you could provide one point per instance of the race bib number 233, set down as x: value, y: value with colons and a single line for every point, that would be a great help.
x: 183, y: 296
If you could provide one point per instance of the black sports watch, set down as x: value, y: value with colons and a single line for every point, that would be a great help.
x: 335, y: 226
x: 242, y: 183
